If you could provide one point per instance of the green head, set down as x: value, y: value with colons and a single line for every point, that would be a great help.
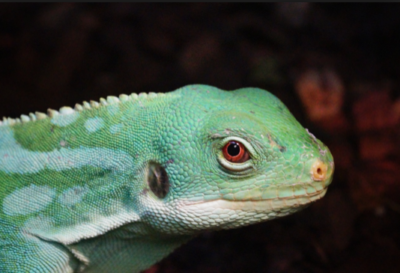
x: 229, y: 159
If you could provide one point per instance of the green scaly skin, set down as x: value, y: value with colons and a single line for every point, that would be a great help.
x: 76, y: 190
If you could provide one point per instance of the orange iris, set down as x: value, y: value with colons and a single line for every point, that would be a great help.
x: 235, y: 151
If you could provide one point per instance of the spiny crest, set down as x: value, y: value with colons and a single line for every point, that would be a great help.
x: 66, y: 110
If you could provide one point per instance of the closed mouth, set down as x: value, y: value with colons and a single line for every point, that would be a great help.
x: 268, y: 204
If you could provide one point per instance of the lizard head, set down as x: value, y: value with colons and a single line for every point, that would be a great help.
x: 229, y: 159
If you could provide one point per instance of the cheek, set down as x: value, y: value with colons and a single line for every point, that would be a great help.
x: 193, y: 182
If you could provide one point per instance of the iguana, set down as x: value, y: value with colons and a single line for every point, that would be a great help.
x: 116, y: 185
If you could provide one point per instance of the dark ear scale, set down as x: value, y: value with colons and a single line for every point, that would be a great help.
x: 157, y: 178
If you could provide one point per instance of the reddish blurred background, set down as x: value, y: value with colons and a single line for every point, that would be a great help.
x: 336, y: 66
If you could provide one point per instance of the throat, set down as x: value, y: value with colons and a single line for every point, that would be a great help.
x: 124, y: 253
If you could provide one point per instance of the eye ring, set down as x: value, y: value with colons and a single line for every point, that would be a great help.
x: 235, y: 152
x: 241, y: 166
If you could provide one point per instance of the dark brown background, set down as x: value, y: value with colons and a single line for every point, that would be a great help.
x: 335, y: 66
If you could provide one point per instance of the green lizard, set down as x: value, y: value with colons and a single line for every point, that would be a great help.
x: 116, y: 185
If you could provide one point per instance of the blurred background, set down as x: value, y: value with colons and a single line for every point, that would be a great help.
x: 336, y: 67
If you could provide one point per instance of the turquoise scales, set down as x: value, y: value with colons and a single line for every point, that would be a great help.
x: 115, y: 186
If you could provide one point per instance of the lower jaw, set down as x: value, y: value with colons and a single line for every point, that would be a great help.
x: 197, y: 216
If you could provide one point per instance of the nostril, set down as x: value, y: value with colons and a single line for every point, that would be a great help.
x: 319, y: 170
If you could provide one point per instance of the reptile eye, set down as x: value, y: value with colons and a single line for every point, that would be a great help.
x: 235, y: 151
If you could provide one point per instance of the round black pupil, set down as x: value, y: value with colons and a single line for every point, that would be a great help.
x: 233, y: 149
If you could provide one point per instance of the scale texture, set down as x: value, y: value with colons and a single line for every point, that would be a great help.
x: 116, y: 185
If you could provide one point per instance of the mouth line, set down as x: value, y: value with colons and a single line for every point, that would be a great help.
x: 304, y: 199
